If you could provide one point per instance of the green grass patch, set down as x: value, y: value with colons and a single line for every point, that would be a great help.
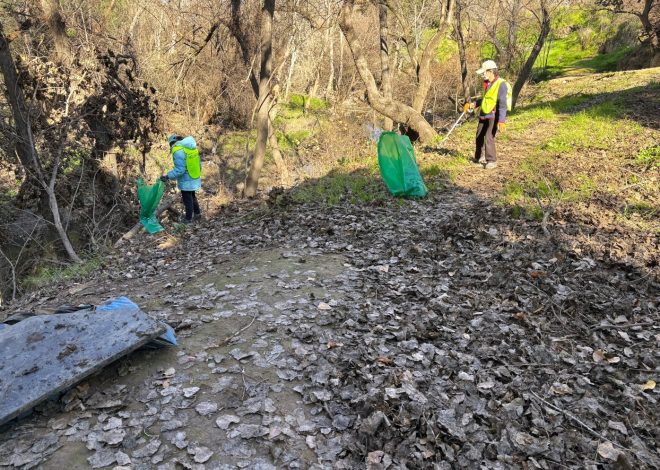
x: 295, y: 108
x: 569, y: 103
x: 437, y: 170
x: 641, y: 209
x: 234, y: 142
x: 586, y: 186
x: 561, y: 105
x: 596, y: 127
x: 522, y: 193
x: 606, y: 62
x: 528, y: 212
x: 52, y: 275
x: 608, y: 110
x: 573, y: 46
x: 649, y: 157
x: 524, y: 118
x: 566, y: 52
x: 521, y: 197
x: 291, y: 140
x: 362, y: 186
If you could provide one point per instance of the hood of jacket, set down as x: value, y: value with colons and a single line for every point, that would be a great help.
x: 187, y: 142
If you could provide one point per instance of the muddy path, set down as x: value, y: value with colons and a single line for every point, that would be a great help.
x: 232, y: 379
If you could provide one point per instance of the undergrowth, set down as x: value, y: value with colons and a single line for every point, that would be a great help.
x: 51, y: 275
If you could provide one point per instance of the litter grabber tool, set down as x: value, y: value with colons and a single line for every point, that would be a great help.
x: 452, y: 128
x: 468, y: 108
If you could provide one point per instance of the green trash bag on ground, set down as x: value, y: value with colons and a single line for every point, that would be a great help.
x: 149, y: 197
x: 398, y: 166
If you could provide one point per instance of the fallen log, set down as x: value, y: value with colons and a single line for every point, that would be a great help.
x: 136, y: 228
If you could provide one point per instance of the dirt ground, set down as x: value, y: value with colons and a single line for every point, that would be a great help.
x: 429, y: 334
x: 434, y: 334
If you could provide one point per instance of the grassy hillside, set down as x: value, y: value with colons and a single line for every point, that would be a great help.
x: 587, y: 142
x: 581, y: 150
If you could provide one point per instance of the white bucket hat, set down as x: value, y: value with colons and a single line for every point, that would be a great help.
x: 487, y: 65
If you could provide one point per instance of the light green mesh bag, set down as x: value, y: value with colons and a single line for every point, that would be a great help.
x: 149, y: 197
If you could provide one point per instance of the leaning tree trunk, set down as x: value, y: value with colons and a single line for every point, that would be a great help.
x: 385, y: 75
x: 526, y: 71
x: 264, y: 100
x: 57, y: 221
x: 651, y: 22
x: 390, y: 108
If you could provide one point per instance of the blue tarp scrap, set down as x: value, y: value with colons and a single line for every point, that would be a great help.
x: 120, y: 303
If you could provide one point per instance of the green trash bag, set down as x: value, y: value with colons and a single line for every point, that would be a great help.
x: 398, y: 167
x: 150, y: 197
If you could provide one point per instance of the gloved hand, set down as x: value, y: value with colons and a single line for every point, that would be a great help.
x: 468, y: 107
x: 164, y: 178
x: 501, y: 126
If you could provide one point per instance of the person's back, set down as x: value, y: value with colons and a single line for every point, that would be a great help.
x: 187, y: 173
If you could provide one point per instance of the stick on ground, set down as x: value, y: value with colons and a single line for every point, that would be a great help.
x: 136, y: 228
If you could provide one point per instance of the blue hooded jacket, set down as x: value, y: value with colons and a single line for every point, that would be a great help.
x: 180, y: 173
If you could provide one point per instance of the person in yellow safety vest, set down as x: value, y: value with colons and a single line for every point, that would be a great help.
x: 187, y: 172
x: 493, y: 106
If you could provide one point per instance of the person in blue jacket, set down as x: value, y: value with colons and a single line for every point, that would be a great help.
x: 187, y: 172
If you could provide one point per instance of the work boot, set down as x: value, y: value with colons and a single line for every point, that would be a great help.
x: 186, y: 221
x: 490, y: 165
x: 479, y: 162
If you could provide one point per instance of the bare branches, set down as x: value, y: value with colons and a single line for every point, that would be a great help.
x: 13, y: 265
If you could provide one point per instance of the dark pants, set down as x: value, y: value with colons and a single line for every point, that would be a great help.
x: 190, y: 203
x: 486, y: 131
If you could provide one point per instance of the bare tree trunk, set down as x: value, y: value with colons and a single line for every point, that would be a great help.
x: 395, y: 110
x: 274, y: 145
x: 424, y: 65
x: 292, y: 64
x: 331, y: 61
x: 385, y: 74
x: 462, y: 54
x: 526, y: 71
x: 312, y: 90
x: 513, y: 23
x: 341, y: 61
x: 57, y: 27
x: 49, y: 187
x: 424, y: 72
x: 257, y: 88
x: 25, y: 150
x: 264, y: 100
